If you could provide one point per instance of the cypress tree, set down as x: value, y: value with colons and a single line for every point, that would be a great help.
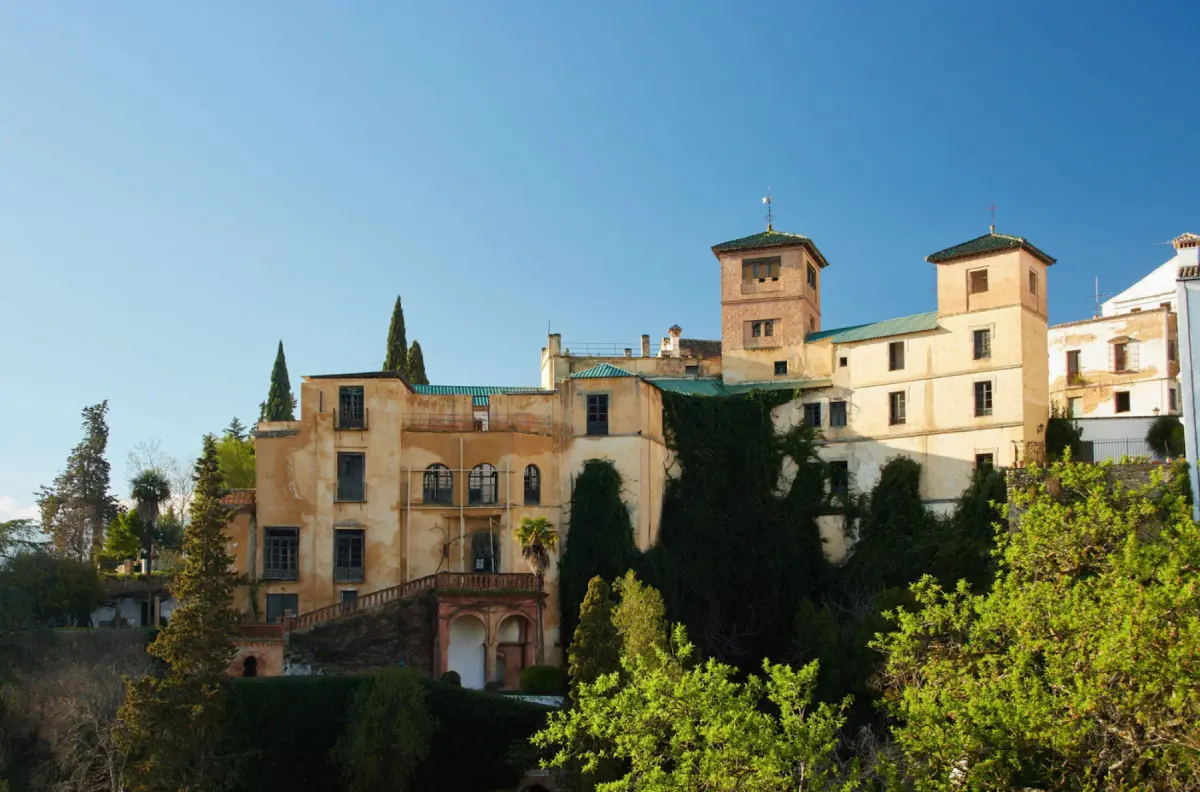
x: 397, y: 343
x: 596, y: 646
x: 280, y: 404
x: 416, y: 365
x: 170, y: 727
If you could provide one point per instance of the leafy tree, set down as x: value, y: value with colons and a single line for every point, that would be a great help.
x: 601, y: 538
x: 236, y: 430
x: 77, y: 507
x: 237, y: 462
x: 170, y: 727
x: 640, y: 619
x: 38, y: 589
x: 596, y: 645
x: 397, y: 343
x: 280, y: 404
x: 124, y: 537
x: 1076, y: 670
x: 890, y: 539
x: 1165, y: 436
x: 416, y: 365
x: 677, y: 727
x: 538, y: 539
x: 1063, y: 433
x: 390, y: 728
x: 16, y: 535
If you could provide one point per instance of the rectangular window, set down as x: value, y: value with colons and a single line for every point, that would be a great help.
x: 756, y: 329
x: 843, y: 361
x: 1120, y: 357
x: 597, y: 414
x: 780, y: 368
x: 983, y: 344
x: 348, y: 556
x: 812, y: 414
x: 1073, y: 375
x: 1121, y: 401
x: 351, y: 477
x: 839, y: 478
x: 985, y: 460
x: 352, y: 413
x: 1032, y: 282
x: 1172, y: 350
x: 280, y: 605
x: 812, y: 324
x: 281, y: 548
x: 895, y: 356
x: 977, y: 281
x: 349, y: 600
x: 837, y: 413
x: 1074, y: 407
x: 812, y: 276
x: 983, y: 398
x: 768, y: 328
x: 1173, y: 397
x: 760, y: 269
x: 897, y: 408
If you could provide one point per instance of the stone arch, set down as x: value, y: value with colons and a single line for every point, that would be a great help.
x: 250, y: 666
x: 465, y: 652
x: 515, y: 648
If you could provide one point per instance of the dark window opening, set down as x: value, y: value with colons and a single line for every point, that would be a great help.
x: 1073, y: 373
x: 837, y: 413
x: 597, y: 414
x: 768, y: 328
x: 691, y: 368
x: 352, y: 412
x: 983, y: 344
x: 839, y: 478
x: 483, y: 485
x: 812, y: 414
x: 351, y: 480
x: 533, y: 485
x: 1120, y: 357
x: 1121, y: 401
x: 843, y: 362
x: 897, y: 408
x: 756, y: 329
x: 438, y: 485
x: 1173, y: 395
x: 485, y: 552
x: 760, y: 269
x: 281, y: 554
x: 1171, y: 350
x: 978, y: 281
x: 895, y: 356
x: 281, y: 605
x: 983, y: 398
x: 1032, y: 282
x: 984, y: 461
x: 250, y: 666
x: 812, y: 276
x: 348, y: 556
x: 349, y: 600
x: 780, y: 368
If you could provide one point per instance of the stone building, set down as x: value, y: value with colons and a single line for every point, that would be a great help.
x: 382, y: 490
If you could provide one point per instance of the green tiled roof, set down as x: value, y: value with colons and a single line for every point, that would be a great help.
x: 917, y: 323
x: 988, y: 243
x: 776, y: 385
x: 768, y: 239
x: 601, y: 371
x: 479, y: 392
x: 715, y: 387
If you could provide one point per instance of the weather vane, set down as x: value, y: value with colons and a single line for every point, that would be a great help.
x: 767, y: 201
x: 992, y: 209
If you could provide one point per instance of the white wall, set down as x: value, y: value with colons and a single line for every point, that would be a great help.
x: 465, y: 653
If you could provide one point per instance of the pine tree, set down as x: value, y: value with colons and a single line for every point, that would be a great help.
x: 397, y: 343
x: 596, y: 647
x: 235, y: 430
x: 78, y: 506
x: 170, y: 727
x: 416, y: 365
x: 280, y: 404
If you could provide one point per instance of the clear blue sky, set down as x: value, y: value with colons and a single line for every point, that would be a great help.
x: 184, y: 184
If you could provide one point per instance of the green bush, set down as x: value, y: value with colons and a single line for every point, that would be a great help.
x: 544, y: 680
x: 452, y: 678
x: 388, y: 734
x: 1165, y: 436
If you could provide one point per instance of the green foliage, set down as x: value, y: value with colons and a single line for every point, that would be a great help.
x: 38, y: 589
x: 595, y: 648
x: 123, y: 540
x: 236, y: 460
x: 236, y: 430
x: 280, y: 404
x: 601, y: 538
x: 452, y: 678
x: 78, y: 506
x: 170, y: 726
x: 388, y: 733
x: 416, y: 365
x: 543, y: 680
x: 538, y: 540
x: 1063, y: 434
x: 640, y: 619
x: 397, y: 343
x: 674, y: 726
x: 1165, y: 436
x: 16, y: 535
x: 1076, y: 670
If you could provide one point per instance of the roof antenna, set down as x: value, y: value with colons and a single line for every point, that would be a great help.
x: 992, y: 227
x: 767, y: 201
x: 1099, y: 296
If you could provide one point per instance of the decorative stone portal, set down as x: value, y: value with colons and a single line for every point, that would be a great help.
x: 465, y: 651
x: 487, y: 638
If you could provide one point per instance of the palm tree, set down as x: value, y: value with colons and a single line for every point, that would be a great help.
x: 538, y: 540
x: 150, y: 489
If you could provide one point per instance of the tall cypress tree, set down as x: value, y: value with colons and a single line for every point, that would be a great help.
x: 397, y: 343
x: 280, y: 404
x: 416, y: 365
x: 77, y: 507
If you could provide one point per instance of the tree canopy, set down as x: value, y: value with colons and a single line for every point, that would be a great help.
x: 281, y: 403
x: 396, y: 358
x: 416, y: 365
x: 236, y: 461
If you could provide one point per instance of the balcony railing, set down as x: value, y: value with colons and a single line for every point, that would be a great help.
x: 351, y: 420
x: 525, y: 423
x: 607, y: 350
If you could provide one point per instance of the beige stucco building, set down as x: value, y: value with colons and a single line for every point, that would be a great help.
x: 381, y: 488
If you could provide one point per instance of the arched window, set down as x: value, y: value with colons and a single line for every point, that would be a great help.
x: 533, y: 485
x: 482, y: 485
x: 485, y: 550
x: 439, y: 484
x: 250, y: 666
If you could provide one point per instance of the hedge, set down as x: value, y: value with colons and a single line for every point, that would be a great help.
x: 543, y: 680
x: 280, y: 731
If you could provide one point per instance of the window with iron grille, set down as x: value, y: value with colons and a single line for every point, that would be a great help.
x: 756, y: 329
x: 597, y: 414
x: 1120, y: 357
x: 983, y: 344
x: 897, y: 408
x: 812, y: 276
x: 1073, y: 373
x: 351, y: 480
x: 348, y: 552
x: 438, y: 485
x: 812, y: 414
x: 839, y: 477
x: 837, y: 413
x: 895, y: 356
x: 482, y: 485
x: 978, y: 281
x: 533, y: 485
x: 280, y: 605
x: 983, y: 398
x: 281, y: 548
x: 1121, y: 401
x: 351, y: 408
x: 768, y: 328
x: 780, y: 368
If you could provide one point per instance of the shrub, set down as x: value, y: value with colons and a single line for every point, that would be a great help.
x: 452, y: 678
x: 1165, y: 436
x: 388, y: 735
x: 543, y: 680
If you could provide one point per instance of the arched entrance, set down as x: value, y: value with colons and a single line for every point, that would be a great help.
x: 513, y: 638
x: 465, y: 653
x: 250, y: 666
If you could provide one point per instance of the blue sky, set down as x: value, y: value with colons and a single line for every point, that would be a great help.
x: 184, y: 184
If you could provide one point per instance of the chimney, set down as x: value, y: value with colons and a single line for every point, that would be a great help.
x: 555, y: 345
x: 628, y: 352
x: 674, y: 331
x: 645, y: 345
x: 1187, y: 249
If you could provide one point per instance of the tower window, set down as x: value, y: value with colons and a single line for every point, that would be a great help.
x: 983, y: 399
x: 983, y: 344
x: 756, y: 329
x: 895, y: 356
x: 812, y: 276
x: 1032, y: 282
x: 760, y: 269
x: 768, y: 328
x: 978, y: 281
x: 351, y: 411
x: 597, y: 414
x: 351, y: 477
x: 780, y: 368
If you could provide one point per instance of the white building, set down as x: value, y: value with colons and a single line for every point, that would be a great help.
x: 1188, y: 299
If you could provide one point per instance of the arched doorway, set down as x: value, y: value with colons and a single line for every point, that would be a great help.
x: 465, y: 653
x: 512, y: 641
x: 250, y: 666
